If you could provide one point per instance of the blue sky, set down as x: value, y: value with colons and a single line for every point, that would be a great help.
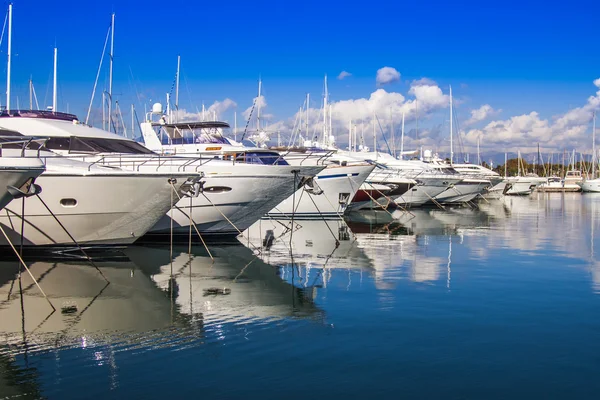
x: 517, y: 57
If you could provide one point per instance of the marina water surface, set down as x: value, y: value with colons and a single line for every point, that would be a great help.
x: 497, y: 302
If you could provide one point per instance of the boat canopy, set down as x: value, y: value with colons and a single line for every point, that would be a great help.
x: 66, y: 133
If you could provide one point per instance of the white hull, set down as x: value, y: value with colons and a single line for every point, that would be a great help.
x: 251, y: 191
x: 590, y: 186
x: 109, y: 210
x: 522, y: 186
x: 464, y: 191
x: 337, y: 184
x: 424, y: 191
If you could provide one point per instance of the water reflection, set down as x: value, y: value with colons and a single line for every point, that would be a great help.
x: 431, y: 287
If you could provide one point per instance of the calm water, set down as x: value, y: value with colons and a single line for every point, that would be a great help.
x: 500, y: 302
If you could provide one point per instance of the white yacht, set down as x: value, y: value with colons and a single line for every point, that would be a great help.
x: 326, y: 195
x: 237, y: 189
x: 522, y: 185
x: 496, y: 189
x: 95, y: 203
x: 590, y: 185
x: 429, y: 183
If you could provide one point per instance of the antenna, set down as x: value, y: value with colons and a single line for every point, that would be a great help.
x: 110, y: 72
x: 8, y: 61
x: 54, y: 87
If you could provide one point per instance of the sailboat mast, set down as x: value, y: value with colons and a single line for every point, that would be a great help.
x: 258, y: 108
x: 307, y: 111
x: 30, y: 94
x: 235, y: 126
x: 177, y: 89
x: 393, y: 134
x: 8, y: 60
x: 374, y: 135
x: 505, y: 164
x: 325, y: 107
x: 451, y: 147
x: 132, y: 121
x: 594, y: 147
x: 402, y: 138
x: 110, y: 70
x: 54, y: 87
x: 350, y: 135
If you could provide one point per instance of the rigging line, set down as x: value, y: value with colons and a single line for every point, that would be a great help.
x: 138, y: 96
x: 382, y: 134
x: 249, y: 118
x: 97, y: 77
x: 3, y: 29
x: 27, y: 269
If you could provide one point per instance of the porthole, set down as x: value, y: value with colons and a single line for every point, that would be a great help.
x: 68, y: 202
x: 217, y: 189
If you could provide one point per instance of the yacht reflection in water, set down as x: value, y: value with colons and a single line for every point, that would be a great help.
x: 389, y: 247
x: 150, y: 303
x: 236, y: 286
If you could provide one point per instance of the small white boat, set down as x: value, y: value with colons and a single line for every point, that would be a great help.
x: 590, y: 185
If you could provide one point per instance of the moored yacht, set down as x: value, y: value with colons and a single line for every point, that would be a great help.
x: 95, y: 203
x: 237, y: 190
x: 326, y: 195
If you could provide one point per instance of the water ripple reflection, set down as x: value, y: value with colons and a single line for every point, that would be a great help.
x: 499, y: 301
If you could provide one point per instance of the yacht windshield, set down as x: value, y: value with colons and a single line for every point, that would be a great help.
x: 95, y: 145
x: 264, y: 158
x: 170, y: 135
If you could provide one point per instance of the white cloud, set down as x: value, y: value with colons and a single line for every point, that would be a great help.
x: 569, y: 130
x: 481, y: 114
x: 214, y: 111
x: 387, y: 75
x: 423, y: 82
x: 344, y: 74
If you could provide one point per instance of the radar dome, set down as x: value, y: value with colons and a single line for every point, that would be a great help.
x: 157, y: 108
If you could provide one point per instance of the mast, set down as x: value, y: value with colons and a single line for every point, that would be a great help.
x: 307, y: 110
x: 451, y: 148
x: 325, y: 133
x: 30, y: 93
x: 330, y: 124
x: 505, y: 163
x: 110, y: 70
x: 594, y: 147
x: 8, y: 58
x: 402, y: 138
x: 258, y: 108
x: 393, y: 134
x: 374, y: 135
x: 54, y: 87
x: 350, y: 135
x: 177, y: 90
x: 132, y: 121
x: 235, y: 126
x: 478, y: 153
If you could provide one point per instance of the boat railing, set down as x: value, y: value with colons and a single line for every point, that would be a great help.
x: 23, y: 142
x: 187, y: 163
